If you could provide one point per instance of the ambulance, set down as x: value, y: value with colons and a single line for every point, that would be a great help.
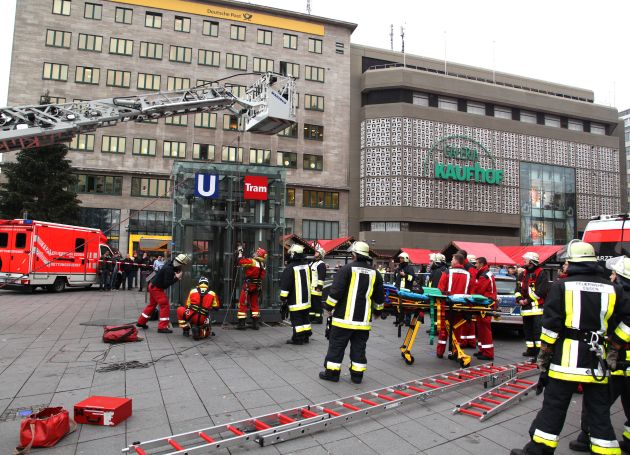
x: 609, y: 235
x: 50, y: 255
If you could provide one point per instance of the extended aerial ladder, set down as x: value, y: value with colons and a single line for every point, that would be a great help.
x: 267, y: 108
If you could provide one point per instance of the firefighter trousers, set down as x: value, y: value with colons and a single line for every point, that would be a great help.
x: 466, y: 335
x: 484, y: 336
x: 301, y: 323
x: 249, y: 297
x: 157, y: 297
x: 316, y: 305
x: 337, y: 342
x: 546, y: 428
x: 532, y: 328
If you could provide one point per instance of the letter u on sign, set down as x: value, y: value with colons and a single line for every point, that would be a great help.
x: 207, y: 186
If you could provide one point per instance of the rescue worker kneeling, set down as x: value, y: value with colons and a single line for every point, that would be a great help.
x: 357, y: 291
x: 195, y: 315
x: 575, y: 321
x: 295, y: 294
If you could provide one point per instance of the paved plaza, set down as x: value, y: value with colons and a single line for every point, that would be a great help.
x: 49, y: 356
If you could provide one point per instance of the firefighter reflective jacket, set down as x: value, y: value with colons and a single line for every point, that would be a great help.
x: 197, y: 307
x: 534, y: 288
x: 254, y: 272
x: 318, y: 276
x: 436, y: 273
x: 356, y: 290
x: 455, y: 280
x: 404, y: 282
x: 624, y: 352
x: 486, y: 284
x: 583, y: 303
x: 295, y: 285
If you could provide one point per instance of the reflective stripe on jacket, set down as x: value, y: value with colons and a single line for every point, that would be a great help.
x: 295, y: 285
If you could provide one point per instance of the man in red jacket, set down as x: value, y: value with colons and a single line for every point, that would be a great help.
x: 252, y: 287
x: 486, y: 286
x: 466, y: 332
x: 456, y: 281
x: 195, y: 314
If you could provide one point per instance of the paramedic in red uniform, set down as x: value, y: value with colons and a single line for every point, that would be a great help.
x: 252, y: 286
x: 486, y: 286
x: 195, y: 314
x: 466, y: 333
x: 455, y: 281
x: 169, y: 274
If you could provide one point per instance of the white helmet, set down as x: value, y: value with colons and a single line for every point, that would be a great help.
x: 361, y: 248
x: 432, y: 257
x: 472, y: 259
x: 620, y: 265
x: 405, y: 256
x: 578, y: 251
x: 181, y: 259
x: 320, y: 251
x: 295, y: 249
x: 532, y: 257
x: 439, y: 257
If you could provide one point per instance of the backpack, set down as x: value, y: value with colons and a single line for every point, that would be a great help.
x: 120, y: 334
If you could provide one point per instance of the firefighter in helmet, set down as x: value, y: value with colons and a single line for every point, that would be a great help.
x: 255, y: 270
x: 357, y: 292
x: 195, y: 314
x: 580, y: 311
x: 295, y: 295
x: 530, y: 296
x: 404, y: 273
x: 318, y: 277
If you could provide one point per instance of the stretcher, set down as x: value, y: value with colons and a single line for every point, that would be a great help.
x: 446, y: 314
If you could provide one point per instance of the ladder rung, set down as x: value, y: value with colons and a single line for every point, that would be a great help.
x: 524, y: 381
x: 416, y: 389
x: 442, y: 381
x: 453, y: 378
x: 490, y: 400
x: 469, y: 412
x: 517, y: 386
x: 175, y: 445
x: 285, y: 419
x: 466, y: 376
x: 331, y: 412
x: 384, y: 397
x: 366, y: 401
x: 401, y: 393
x: 506, y: 390
x: 205, y: 437
x: 261, y: 425
x: 431, y: 386
x: 234, y: 430
x: 351, y: 407
x: 308, y: 414
x: 139, y: 451
x: 500, y: 395
x: 481, y: 406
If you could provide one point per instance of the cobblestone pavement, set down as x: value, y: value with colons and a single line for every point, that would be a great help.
x: 49, y: 357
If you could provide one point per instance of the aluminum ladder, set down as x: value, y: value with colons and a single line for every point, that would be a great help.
x: 284, y: 425
x: 500, y: 397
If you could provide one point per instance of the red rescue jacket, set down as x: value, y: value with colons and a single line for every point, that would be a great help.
x: 456, y: 281
x: 198, y: 309
x: 486, y: 284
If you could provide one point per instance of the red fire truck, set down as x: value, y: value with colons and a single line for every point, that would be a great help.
x: 50, y: 255
x: 609, y: 235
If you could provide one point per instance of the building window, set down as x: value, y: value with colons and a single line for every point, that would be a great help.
x: 153, y: 20
x: 114, y: 144
x: 61, y: 7
x: 315, y: 45
x: 177, y: 120
x: 233, y: 122
x: 450, y: 104
x: 92, y: 43
x: 236, y: 90
x: 262, y: 65
x: 527, y: 117
x: 289, y: 225
x: 174, y: 149
x: 107, y: 220
x: 259, y: 156
x: 264, y: 37
x: 82, y: 143
x: 287, y: 159
x: 148, y: 187
x: 99, y: 184
x: 87, y: 75
x: 290, y: 69
x: 575, y: 125
x: 237, y: 32
x: 149, y: 81
x: 503, y: 112
x: 313, y: 132
x: 180, y: 54
x: 290, y: 197
x: 203, y: 152
x: 597, y: 128
x: 47, y: 99
x: 182, y: 24
x: 232, y: 154
x: 320, y: 199
x: 314, y: 73
x: 55, y: 72
x: 313, y: 162
x: 58, y: 38
x: 313, y: 102
x: 289, y: 41
x: 206, y: 120
x: 210, y: 28
x: 420, y: 99
x: 552, y: 120
x: 548, y: 212
x: 475, y: 108
x: 289, y: 131
x: 177, y: 83
x: 320, y: 230
x: 144, y: 146
x: 93, y: 11
x: 208, y: 58
x: 235, y: 61
x: 151, y: 50
x: 117, y: 78
x: 124, y: 15
x: 150, y: 222
x: 339, y: 48
x: 120, y: 46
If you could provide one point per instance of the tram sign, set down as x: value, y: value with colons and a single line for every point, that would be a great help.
x: 255, y: 187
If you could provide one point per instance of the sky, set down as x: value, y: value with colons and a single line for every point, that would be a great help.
x: 573, y: 42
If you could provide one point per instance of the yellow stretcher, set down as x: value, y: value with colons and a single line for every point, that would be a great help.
x: 447, y: 313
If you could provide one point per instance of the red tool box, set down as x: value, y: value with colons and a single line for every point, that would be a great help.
x: 107, y: 411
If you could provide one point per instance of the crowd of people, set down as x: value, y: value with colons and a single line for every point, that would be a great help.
x: 116, y: 272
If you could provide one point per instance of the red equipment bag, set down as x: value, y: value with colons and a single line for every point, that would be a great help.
x: 44, y: 429
x: 99, y: 410
x: 120, y: 334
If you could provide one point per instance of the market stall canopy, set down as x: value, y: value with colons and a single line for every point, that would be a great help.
x: 488, y: 250
x: 341, y: 244
x: 418, y: 256
x: 545, y: 252
x: 290, y: 239
x: 153, y: 245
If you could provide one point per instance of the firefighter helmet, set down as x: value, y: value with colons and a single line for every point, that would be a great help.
x: 181, y: 259
x: 578, y: 251
x: 361, y: 248
x: 261, y: 254
x: 532, y: 257
x: 404, y: 256
x: 295, y: 249
x: 319, y: 250
x: 203, y: 285
x: 620, y: 265
x: 439, y: 258
x: 472, y: 259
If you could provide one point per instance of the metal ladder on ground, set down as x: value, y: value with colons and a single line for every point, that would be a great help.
x: 284, y: 425
x: 500, y: 397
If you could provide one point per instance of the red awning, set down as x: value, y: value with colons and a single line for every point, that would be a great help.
x: 545, y: 252
x: 419, y: 256
x: 331, y: 245
x: 488, y: 250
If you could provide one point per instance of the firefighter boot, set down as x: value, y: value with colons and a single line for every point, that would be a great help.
x: 356, y: 377
x: 186, y: 332
x: 529, y: 352
x: 241, y: 324
x: 532, y: 448
x: 581, y: 444
x: 329, y: 375
x: 195, y: 332
x: 624, y: 444
x: 255, y: 323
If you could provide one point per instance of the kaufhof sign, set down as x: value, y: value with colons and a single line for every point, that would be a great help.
x: 466, y: 152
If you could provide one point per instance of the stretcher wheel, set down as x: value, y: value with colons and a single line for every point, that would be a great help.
x: 464, y: 362
x: 408, y: 359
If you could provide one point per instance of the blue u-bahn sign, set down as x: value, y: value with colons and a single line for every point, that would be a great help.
x: 207, y: 186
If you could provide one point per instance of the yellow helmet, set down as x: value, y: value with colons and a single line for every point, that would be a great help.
x: 620, y: 265
x: 578, y: 251
x: 181, y: 259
